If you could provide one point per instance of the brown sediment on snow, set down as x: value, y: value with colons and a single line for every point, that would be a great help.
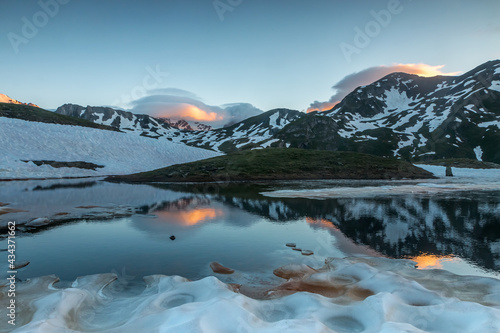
x: 218, y: 268
x: 294, y: 271
x: 3, y: 204
x: 234, y: 287
x: 61, y: 214
x: 4, y: 211
x: 302, y: 278
x: 89, y: 206
x: 324, y: 288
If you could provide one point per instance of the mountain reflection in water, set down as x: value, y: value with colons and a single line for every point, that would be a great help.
x: 245, y: 230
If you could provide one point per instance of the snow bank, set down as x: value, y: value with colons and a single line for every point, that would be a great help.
x: 461, y: 174
x: 120, y: 153
x: 347, y: 295
x: 464, y: 180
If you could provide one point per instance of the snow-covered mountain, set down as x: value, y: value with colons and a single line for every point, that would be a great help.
x: 186, y: 125
x: 402, y: 115
x: 123, y: 120
x: 34, y: 145
x: 6, y: 99
x: 412, y: 117
x: 252, y: 133
x: 127, y: 121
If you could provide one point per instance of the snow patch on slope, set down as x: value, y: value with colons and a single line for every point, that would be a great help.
x: 120, y: 153
x: 495, y: 85
x: 257, y: 134
x: 479, y: 153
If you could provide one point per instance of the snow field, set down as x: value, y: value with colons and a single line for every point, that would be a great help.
x: 120, y: 153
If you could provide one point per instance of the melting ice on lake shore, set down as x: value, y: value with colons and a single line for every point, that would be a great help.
x: 464, y: 180
x: 361, y: 294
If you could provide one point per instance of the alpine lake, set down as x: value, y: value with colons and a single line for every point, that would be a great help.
x: 78, y: 227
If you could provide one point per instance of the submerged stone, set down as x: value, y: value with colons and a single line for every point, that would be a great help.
x: 218, y: 268
x: 21, y: 265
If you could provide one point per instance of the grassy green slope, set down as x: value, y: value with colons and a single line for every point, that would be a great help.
x: 282, y: 164
x: 32, y: 113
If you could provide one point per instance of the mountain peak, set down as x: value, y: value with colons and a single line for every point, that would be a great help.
x: 420, y: 118
x: 6, y: 99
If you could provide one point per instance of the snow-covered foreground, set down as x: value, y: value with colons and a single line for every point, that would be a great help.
x: 120, y: 153
x: 360, y: 294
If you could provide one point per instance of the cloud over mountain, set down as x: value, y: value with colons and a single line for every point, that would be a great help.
x: 178, y: 104
x: 372, y: 74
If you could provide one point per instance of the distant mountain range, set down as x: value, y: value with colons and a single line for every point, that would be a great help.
x: 401, y: 115
x: 127, y: 121
x: 186, y: 125
x: 254, y: 132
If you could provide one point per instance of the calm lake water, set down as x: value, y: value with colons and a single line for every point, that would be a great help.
x: 242, y: 229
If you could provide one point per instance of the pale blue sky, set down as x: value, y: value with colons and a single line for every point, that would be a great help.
x: 281, y: 53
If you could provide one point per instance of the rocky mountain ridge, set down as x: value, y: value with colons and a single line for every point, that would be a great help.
x: 401, y: 115
x: 411, y: 117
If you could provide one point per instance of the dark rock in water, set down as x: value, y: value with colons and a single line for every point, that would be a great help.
x: 172, y: 237
x: 76, y: 164
x: 449, y: 173
x: 291, y: 244
x: 307, y: 252
x: 296, y: 249
x: 218, y: 268
x: 21, y: 265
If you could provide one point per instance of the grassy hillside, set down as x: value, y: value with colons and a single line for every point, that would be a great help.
x: 282, y: 164
x: 31, y: 113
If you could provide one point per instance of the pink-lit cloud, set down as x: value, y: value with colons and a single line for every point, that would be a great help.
x: 372, y: 74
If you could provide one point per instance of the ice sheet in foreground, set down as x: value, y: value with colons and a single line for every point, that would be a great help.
x: 361, y: 294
